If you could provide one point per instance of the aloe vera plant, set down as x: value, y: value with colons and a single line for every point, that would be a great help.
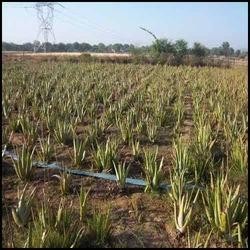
x: 204, y: 138
x: 121, y: 174
x: 238, y: 157
x: 21, y: 214
x: 100, y: 227
x: 30, y: 130
x: 55, y: 228
x: 15, y: 124
x: 232, y: 128
x: 196, y: 241
x: 161, y: 114
x: 79, y: 152
x: 56, y: 219
x: 202, y: 151
x: 183, y: 200
x: 23, y: 165
x: 50, y: 120
x: 83, y: 202
x: 105, y: 155
x: 96, y: 129
x: 151, y: 131
x: 63, y: 132
x: 153, y: 171
x: 47, y: 150
x: 183, y: 210
x: 135, y: 148
x: 223, y: 206
x: 65, y: 182
x: 126, y: 131
x: 178, y: 182
x: 181, y: 158
x: 179, y: 112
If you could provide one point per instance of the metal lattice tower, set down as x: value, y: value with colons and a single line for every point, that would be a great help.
x: 45, y: 14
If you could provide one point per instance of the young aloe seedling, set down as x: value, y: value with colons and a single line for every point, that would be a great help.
x: 83, y: 202
x: 153, y: 171
x: 121, y: 174
x: 100, y: 227
x: 47, y: 150
x: 65, y: 182
x: 22, y: 213
x: 23, y: 165
x: 79, y: 152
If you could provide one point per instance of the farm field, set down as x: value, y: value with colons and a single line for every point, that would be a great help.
x: 182, y: 126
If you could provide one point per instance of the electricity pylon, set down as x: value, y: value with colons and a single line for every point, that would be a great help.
x: 45, y: 14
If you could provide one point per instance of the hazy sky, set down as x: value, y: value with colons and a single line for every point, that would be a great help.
x: 208, y: 23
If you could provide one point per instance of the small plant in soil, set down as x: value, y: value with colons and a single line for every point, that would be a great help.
x: 21, y: 214
x: 47, y: 150
x: 121, y: 172
x: 105, y: 155
x: 153, y: 171
x: 79, y: 152
x: 65, y: 182
x: 83, y: 202
x: 23, y: 165
x: 100, y: 228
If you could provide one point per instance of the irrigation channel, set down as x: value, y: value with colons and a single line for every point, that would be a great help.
x: 55, y: 166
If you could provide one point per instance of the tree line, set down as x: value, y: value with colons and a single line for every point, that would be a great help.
x: 69, y: 47
x: 178, y: 48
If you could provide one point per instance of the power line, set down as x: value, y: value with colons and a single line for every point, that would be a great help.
x: 75, y: 25
x: 97, y: 26
x: 88, y: 24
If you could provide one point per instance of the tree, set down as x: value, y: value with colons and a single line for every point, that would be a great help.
x: 109, y: 48
x: 162, y: 46
x: 231, y: 51
x: 117, y: 47
x: 125, y: 47
x: 244, y: 54
x: 49, y: 46
x: 61, y: 47
x: 76, y: 46
x: 237, y: 53
x: 198, y: 50
x: 27, y: 47
x: 101, y: 47
x: 94, y: 48
x: 226, y: 48
x: 36, y: 45
x: 216, y: 51
x: 131, y: 47
x: 181, y: 47
x: 85, y: 47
